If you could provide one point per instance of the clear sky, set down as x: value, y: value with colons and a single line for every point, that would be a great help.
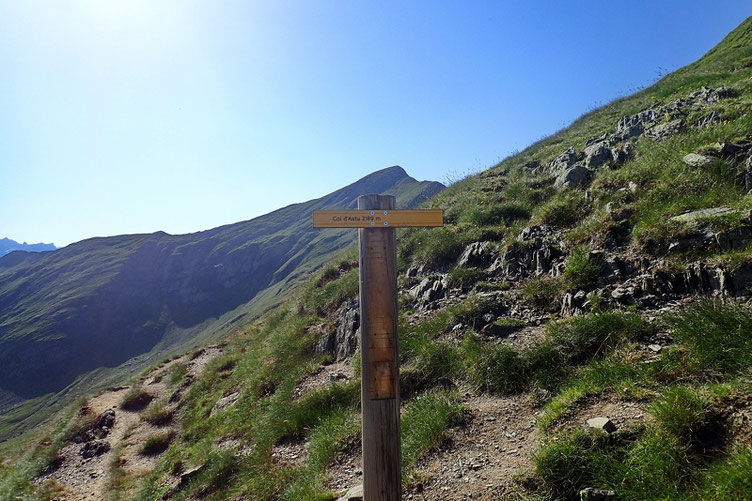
x: 132, y: 116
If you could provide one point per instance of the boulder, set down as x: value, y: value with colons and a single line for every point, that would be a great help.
x: 354, y: 494
x: 621, y: 154
x: 726, y: 149
x: 596, y: 155
x: 601, y: 423
x: 429, y: 289
x: 573, y: 177
x: 695, y: 160
x: 665, y: 130
x: 342, y: 342
x: 476, y: 254
x: 564, y: 161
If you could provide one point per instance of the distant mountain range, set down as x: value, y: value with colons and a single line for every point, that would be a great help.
x: 100, y: 302
x: 7, y: 246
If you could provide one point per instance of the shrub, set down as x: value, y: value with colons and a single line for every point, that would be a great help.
x: 581, y: 338
x: 497, y: 369
x: 572, y: 462
x: 489, y: 215
x: 157, y: 444
x: 435, y: 246
x: 678, y: 411
x: 718, y: 334
x: 136, y: 399
x: 424, y: 420
x: 157, y: 414
x: 582, y: 268
x: 731, y: 479
x: 464, y: 277
x: 564, y: 209
x: 432, y: 361
x: 543, y: 292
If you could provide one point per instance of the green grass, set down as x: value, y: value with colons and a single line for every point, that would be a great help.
x: 582, y: 267
x: 464, y: 277
x: 719, y: 334
x: 157, y: 414
x: 157, y: 444
x: 424, y: 421
x: 136, y: 399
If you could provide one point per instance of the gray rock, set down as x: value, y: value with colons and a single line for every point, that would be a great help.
x: 225, y: 402
x: 695, y: 160
x: 535, y: 232
x: 712, y: 118
x: 596, y: 155
x: 429, y: 289
x: 573, y: 177
x: 621, y: 154
x: 593, y: 494
x: 564, y: 161
x: 476, y: 254
x: 665, y: 130
x: 703, y: 215
x: 601, y: 423
x: 726, y: 149
x: 354, y: 494
x: 94, y: 448
x: 342, y: 342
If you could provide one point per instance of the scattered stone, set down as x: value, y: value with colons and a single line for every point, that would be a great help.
x: 602, y: 423
x: 695, y: 160
x: 94, y: 448
x: 654, y: 348
x: 593, y: 494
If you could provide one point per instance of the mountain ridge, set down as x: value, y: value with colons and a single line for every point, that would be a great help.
x: 8, y: 245
x: 137, y: 287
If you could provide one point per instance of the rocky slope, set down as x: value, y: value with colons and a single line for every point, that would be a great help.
x: 579, y: 329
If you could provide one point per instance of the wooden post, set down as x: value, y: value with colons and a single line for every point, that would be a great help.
x: 380, y: 398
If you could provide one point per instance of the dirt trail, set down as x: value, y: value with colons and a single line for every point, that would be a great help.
x: 90, y: 479
x: 477, y: 460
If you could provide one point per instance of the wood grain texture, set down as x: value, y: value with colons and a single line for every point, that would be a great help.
x: 364, y: 218
x: 380, y: 399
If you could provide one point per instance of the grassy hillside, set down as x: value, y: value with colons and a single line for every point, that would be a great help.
x: 577, y: 296
x: 99, y: 303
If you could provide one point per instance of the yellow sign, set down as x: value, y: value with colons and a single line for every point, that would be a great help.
x: 377, y: 218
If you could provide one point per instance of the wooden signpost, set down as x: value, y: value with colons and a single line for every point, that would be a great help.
x: 376, y: 221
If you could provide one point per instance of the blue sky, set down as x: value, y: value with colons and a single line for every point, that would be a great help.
x: 142, y: 115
